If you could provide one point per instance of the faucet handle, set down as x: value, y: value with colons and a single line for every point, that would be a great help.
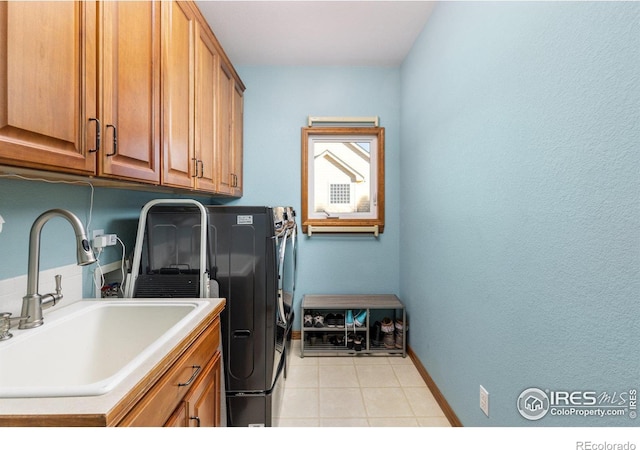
x: 58, y: 284
x: 6, y: 324
x: 49, y: 300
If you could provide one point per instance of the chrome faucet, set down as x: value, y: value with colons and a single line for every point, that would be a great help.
x: 33, y: 303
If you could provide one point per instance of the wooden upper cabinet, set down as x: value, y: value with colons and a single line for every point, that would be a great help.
x: 224, y: 139
x: 178, y: 22
x: 130, y: 90
x: 205, y: 116
x: 229, y: 136
x: 48, y: 85
x: 136, y: 91
x: 237, y: 144
x: 199, y: 97
x: 64, y: 105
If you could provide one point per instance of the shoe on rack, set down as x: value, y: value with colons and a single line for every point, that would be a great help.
x: 318, y: 321
x: 350, y: 341
x: 387, y: 326
x: 308, y: 320
x: 339, y: 320
x: 337, y: 340
x: 348, y: 321
x: 360, y: 319
x: 399, y: 339
x: 376, y: 333
x: 357, y: 343
x: 388, y: 339
x: 330, y: 320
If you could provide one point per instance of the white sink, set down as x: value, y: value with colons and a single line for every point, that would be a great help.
x: 87, y: 348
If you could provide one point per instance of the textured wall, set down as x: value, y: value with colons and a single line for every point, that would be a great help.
x: 278, y: 101
x: 21, y: 202
x: 520, y: 200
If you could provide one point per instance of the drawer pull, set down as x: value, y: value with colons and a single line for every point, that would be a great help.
x: 193, y: 377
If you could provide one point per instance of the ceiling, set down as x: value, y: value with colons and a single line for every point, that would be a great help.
x: 352, y: 33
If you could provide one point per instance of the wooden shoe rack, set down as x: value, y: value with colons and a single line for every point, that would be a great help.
x: 331, y: 340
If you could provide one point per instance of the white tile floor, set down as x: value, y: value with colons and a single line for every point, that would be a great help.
x: 359, y: 391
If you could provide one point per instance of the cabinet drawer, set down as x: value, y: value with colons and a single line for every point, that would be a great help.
x: 163, y: 398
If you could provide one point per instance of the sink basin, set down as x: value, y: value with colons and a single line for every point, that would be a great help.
x: 88, y: 347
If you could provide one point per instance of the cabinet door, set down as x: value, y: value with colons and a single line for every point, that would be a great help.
x: 237, y: 131
x: 178, y: 22
x: 205, y: 116
x: 179, y: 417
x: 204, y: 399
x: 224, y: 152
x: 130, y: 75
x: 48, y: 85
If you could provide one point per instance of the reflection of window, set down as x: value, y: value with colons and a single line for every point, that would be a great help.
x: 340, y: 193
x: 343, y: 176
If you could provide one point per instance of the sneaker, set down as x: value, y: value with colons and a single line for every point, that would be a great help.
x: 349, y: 320
x: 318, y: 321
x: 350, y: 341
x: 360, y: 319
x: 330, y: 319
x: 340, y: 320
x: 308, y: 320
x: 357, y: 343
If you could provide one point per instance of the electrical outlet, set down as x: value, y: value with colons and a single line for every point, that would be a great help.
x: 484, y: 400
x: 105, y: 240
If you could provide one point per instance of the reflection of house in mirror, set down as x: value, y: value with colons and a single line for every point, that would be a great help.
x: 342, y: 177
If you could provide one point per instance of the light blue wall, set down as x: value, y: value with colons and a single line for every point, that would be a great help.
x: 21, y: 202
x: 278, y: 101
x: 521, y: 202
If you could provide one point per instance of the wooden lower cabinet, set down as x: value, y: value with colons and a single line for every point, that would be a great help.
x: 201, y: 406
x: 188, y: 394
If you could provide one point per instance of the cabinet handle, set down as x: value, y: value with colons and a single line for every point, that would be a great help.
x: 197, y: 419
x: 115, y: 140
x: 234, y: 180
x: 98, y: 127
x: 200, y: 163
x: 193, y: 376
x: 197, y: 163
